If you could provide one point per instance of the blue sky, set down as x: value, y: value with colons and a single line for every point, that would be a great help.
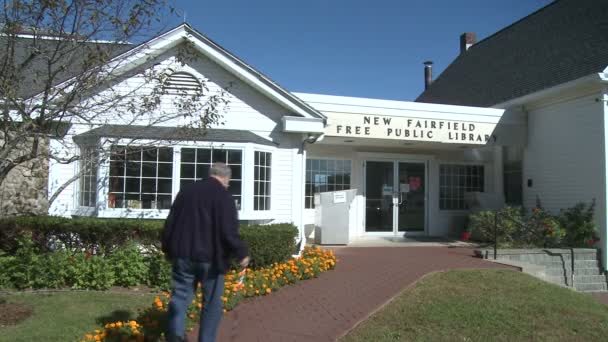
x: 349, y: 47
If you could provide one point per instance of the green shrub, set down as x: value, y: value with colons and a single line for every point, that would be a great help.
x: 481, y: 224
x: 159, y: 271
x: 270, y: 243
x: 103, y: 235
x: 579, y: 224
x: 33, y: 266
x: 129, y: 265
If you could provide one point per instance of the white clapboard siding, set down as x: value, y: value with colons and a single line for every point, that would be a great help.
x: 564, y: 157
x: 281, y: 186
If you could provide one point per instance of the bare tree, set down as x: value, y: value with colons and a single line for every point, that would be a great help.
x: 63, y: 62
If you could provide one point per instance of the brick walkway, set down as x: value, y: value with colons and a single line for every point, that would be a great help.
x: 325, y: 308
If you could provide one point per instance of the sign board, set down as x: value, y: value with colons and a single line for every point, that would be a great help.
x: 387, y: 190
x: 340, y: 197
x: 404, y: 187
x: 410, y: 128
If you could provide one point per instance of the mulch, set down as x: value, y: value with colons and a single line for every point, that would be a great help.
x: 13, y: 313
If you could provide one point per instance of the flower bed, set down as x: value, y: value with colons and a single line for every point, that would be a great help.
x: 150, y: 323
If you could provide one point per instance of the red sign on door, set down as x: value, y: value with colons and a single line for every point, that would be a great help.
x: 415, y: 183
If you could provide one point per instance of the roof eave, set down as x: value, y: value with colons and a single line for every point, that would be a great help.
x: 598, y: 78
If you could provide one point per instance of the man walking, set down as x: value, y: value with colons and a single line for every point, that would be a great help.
x: 200, y: 234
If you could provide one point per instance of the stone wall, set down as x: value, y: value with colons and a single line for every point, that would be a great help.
x: 25, y: 190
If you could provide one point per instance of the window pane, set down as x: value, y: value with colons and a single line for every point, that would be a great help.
x: 132, y: 185
x: 165, y: 186
x: 219, y: 156
x: 133, y: 169
x: 148, y: 170
x: 117, y: 168
x: 163, y: 202
x: 234, y: 157
x: 148, y: 185
x: 202, y: 171
x: 165, y: 154
x: 235, y: 187
x: 236, y: 171
x: 165, y: 170
x: 203, y: 155
x: 116, y: 184
x: 149, y: 154
x: 187, y: 171
x: 148, y: 202
x: 188, y: 155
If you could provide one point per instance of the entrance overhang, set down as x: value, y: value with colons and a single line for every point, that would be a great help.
x: 419, y: 123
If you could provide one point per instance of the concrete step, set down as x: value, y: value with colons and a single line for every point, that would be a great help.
x: 559, y: 271
x: 560, y: 280
x: 566, y: 265
x: 588, y: 279
x: 591, y: 287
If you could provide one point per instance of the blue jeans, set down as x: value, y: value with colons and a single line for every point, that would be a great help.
x: 186, y: 275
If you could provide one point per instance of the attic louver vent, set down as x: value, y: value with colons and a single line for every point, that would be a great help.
x: 182, y: 83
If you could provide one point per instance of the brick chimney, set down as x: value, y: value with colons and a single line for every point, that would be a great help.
x: 467, y: 40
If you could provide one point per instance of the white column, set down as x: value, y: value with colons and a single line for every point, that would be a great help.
x: 298, y: 187
x: 601, y: 205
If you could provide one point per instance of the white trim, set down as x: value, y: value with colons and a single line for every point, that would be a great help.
x: 296, y: 124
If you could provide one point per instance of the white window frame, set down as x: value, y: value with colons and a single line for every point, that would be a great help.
x: 269, y: 195
x: 486, y: 179
x: 350, y: 183
x: 246, y: 211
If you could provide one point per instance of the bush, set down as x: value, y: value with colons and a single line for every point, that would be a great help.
x: 267, y: 243
x: 159, y: 271
x: 33, y: 266
x: 94, y: 234
x: 128, y: 265
x: 271, y: 243
x: 481, y: 224
x: 580, y: 228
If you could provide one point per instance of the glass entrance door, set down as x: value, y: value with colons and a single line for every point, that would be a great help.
x: 412, y: 193
x: 395, y: 196
x: 379, y: 203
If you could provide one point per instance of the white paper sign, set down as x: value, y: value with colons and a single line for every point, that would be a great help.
x: 340, y: 197
x: 404, y: 187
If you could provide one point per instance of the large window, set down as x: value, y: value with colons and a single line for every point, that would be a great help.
x: 454, y: 181
x: 261, y: 181
x: 88, y: 177
x: 325, y: 175
x: 513, y: 175
x: 195, y: 164
x: 140, y: 177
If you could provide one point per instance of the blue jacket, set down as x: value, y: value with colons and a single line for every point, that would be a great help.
x: 203, y: 225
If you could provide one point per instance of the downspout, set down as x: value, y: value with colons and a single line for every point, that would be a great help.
x: 310, y: 139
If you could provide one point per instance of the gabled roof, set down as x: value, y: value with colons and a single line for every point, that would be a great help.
x: 561, y: 42
x: 171, y: 134
x: 184, y: 32
x: 35, y: 75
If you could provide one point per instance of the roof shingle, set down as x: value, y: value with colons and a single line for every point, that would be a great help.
x: 561, y: 42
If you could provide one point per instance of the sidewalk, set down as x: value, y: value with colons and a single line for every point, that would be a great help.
x: 325, y: 308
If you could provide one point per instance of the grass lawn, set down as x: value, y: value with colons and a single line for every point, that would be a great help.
x: 486, y: 305
x: 67, y: 316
